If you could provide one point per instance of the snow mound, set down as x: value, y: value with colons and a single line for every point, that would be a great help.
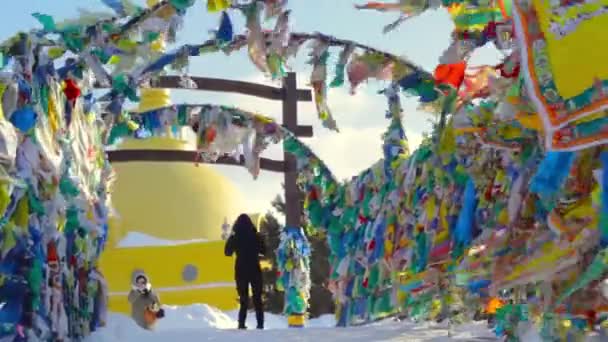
x: 197, y: 316
x: 137, y: 239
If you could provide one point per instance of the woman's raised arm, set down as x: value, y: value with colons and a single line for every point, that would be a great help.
x: 229, y: 247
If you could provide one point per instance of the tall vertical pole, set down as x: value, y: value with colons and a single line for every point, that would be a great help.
x: 293, y: 210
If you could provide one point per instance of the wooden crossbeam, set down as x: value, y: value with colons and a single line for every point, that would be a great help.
x: 302, y: 131
x: 231, y: 86
x: 305, y: 131
x: 228, y: 86
x: 126, y: 156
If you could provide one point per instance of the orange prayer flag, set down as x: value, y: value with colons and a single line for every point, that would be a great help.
x: 493, y: 305
x: 450, y: 74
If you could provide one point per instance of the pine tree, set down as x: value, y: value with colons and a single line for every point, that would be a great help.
x: 271, y: 230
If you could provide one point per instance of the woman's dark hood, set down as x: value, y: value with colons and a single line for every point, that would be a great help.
x: 243, y: 226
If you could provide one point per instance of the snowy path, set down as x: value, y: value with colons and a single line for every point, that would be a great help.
x: 203, y: 323
x: 392, y: 332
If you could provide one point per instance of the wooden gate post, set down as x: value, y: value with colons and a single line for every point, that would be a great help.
x: 293, y: 207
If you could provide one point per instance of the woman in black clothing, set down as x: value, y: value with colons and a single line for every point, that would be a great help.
x: 248, y: 246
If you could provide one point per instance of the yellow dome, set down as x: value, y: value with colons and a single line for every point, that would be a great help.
x: 172, y: 201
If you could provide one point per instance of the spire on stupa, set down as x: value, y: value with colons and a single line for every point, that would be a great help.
x: 154, y: 98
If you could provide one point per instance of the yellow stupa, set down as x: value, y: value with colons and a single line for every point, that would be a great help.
x: 172, y: 202
x: 175, y: 201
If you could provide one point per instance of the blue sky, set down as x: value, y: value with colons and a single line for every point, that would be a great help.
x: 360, y: 117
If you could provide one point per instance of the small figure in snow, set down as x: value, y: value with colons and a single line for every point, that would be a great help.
x: 145, y: 304
x: 248, y: 246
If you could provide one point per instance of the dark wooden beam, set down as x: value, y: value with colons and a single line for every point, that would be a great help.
x: 231, y: 86
x: 126, y: 156
x: 302, y: 131
x: 228, y: 86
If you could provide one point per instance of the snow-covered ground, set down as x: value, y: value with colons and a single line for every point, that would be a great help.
x: 203, y: 323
